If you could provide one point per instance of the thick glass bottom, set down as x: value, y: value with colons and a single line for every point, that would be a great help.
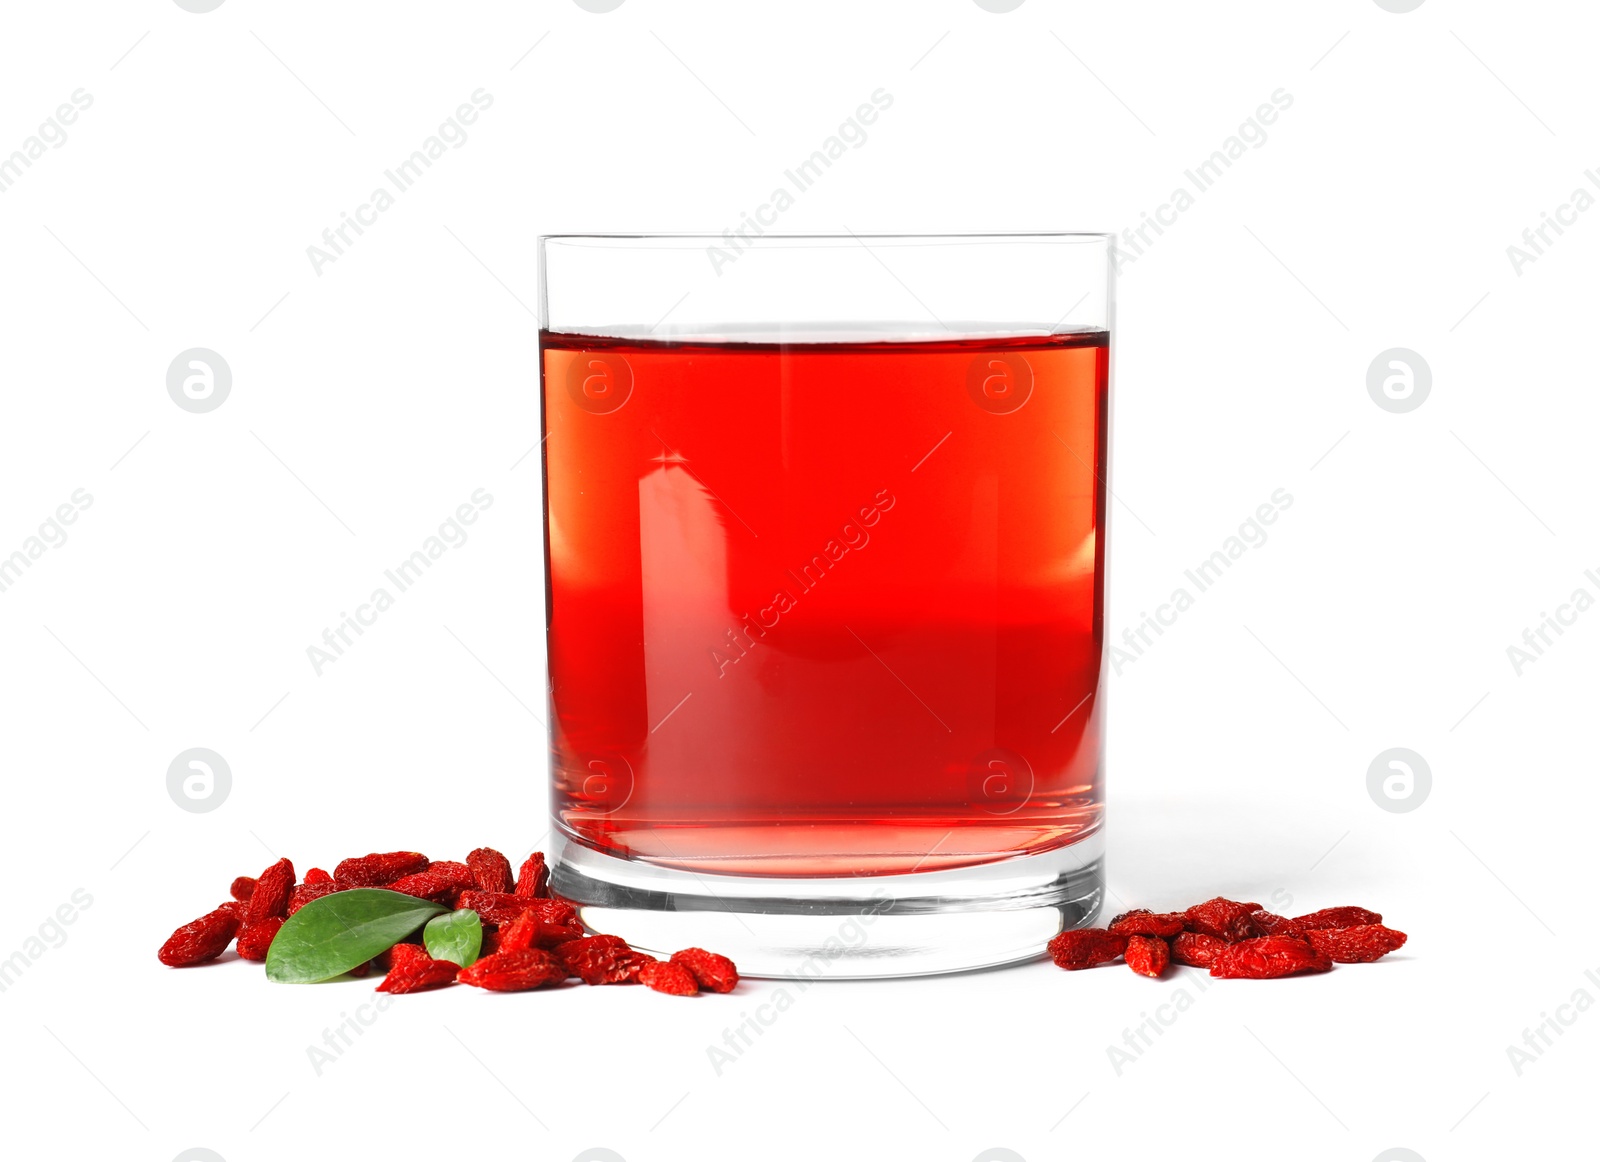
x: 841, y: 927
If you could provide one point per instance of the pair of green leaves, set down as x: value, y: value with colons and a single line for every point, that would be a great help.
x: 343, y: 930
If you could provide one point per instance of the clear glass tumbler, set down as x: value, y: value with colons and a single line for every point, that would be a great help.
x: 825, y: 528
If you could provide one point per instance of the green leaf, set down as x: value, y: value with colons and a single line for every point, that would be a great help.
x: 343, y: 930
x: 456, y: 937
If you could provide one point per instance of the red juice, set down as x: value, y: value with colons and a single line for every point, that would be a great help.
x: 825, y: 609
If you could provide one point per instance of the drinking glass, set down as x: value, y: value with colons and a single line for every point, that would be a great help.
x: 825, y: 532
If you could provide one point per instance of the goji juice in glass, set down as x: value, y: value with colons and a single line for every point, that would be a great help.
x: 825, y: 609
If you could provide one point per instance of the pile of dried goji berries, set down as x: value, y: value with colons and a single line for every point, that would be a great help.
x: 529, y: 937
x: 1232, y: 939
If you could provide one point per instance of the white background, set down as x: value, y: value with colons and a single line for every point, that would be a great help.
x: 372, y: 399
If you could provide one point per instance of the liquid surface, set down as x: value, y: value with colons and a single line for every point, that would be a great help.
x: 829, y: 608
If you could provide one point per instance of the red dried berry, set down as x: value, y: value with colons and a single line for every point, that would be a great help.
x: 200, y: 940
x: 509, y: 972
x: 271, y: 895
x: 1144, y: 922
x: 1225, y: 919
x: 304, y: 893
x: 1195, y: 949
x: 629, y: 965
x: 601, y: 959
x: 1348, y: 916
x: 442, y: 882
x: 361, y: 969
x: 1085, y: 947
x: 494, y: 907
x: 1271, y: 924
x: 241, y: 887
x: 414, y: 972
x: 669, y: 978
x: 255, y: 937
x: 400, y: 954
x: 1358, y: 945
x: 1147, y: 955
x: 236, y: 907
x: 711, y: 971
x: 533, y: 880
x: 379, y: 869
x: 558, y: 920
x: 1267, y: 957
x: 317, y: 876
x: 490, y: 870
x: 523, y: 932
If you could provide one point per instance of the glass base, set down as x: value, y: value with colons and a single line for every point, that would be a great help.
x: 841, y: 928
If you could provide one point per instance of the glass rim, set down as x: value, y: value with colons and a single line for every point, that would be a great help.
x: 851, y: 236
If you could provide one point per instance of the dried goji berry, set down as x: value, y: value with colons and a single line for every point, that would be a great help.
x: 509, y: 972
x: 1195, y: 948
x: 304, y: 893
x: 241, y: 887
x: 442, y: 882
x: 558, y: 920
x: 494, y: 907
x: 1086, y: 947
x: 271, y: 895
x: 379, y: 869
x: 1358, y: 945
x: 1266, y: 957
x: 400, y: 956
x: 1225, y: 919
x: 411, y: 972
x: 361, y: 969
x: 669, y: 978
x: 1147, y: 955
x: 629, y: 965
x: 533, y: 879
x: 1348, y: 916
x: 490, y: 870
x: 255, y: 937
x: 1144, y: 922
x: 711, y: 971
x: 200, y: 940
x: 317, y: 876
x: 601, y: 959
x: 1271, y: 924
x: 519, y: 934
